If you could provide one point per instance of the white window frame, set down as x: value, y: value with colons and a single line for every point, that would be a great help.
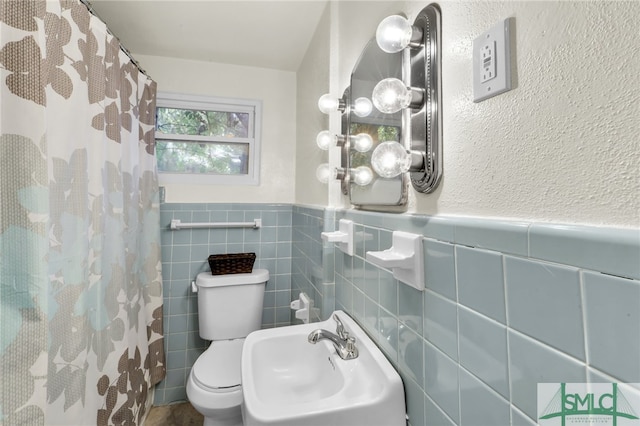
x: 210, y: 103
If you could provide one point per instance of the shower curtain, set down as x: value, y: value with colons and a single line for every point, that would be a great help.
x: 80, y: 275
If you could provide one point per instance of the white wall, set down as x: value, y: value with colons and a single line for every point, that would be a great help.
x: 277, y: 91
x: 563, y: 145
x: 312, y: 82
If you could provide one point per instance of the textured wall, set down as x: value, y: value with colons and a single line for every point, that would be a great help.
x: 563, y: 145
x: 312, y: 82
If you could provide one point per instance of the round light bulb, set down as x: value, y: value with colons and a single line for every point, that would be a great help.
x: 394, y: 33
x: 390, y: 159
x: 324, y: 172
x: 362, y: 107
x: 325, y: 140
x: 391, y: 95
x: 327, y: 104
x: 362, y: 176
x: 362, y: 142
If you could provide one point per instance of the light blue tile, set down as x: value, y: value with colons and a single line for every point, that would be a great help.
x: 358, y: 273
x: 612, y: 250
x: 269, y: 300
x: 199, y: 252
x: 200, y: 236
x: 439, y: 228
x: 344, y: 292
x: 371, y: 281
x: 218, y: 236
x: 175, y: 378
x: 181, y: 253
x: 531, y: 363
x: 218, y: 216
x: 182, y: 236
x: 194, y: 341
x: 439, y: 268
x: 284, y: 218
x: 283, y: 234
x: 441, y: 380
x: 386, y: 239
x: 498, y: 235
x: 544, y: 302
x: 388, y: 291
x: 518, y: 418
x: 269, y: 218
x: 388, y: 331
x: 358, y: 304
x: 177, y: 324
x: 176, y: 360
x: 200, y: 216
x: 410, y: 355
x: 179, y: 271
x: 358, y: 240
x: 433, y: 415
x: 371, y: 239
x: 283, y: 315
x: 480, y: 281
x: 268, y: 317
x: 441, y: 323
x: 414, y: 397
x: 176, y: 341
x: 178, y: 305
x: 283, y: 298
x: 612, y: 308
x: 483, y: 349
x: 480, y: 405
x: 410, y: 307
x: 173, y: 395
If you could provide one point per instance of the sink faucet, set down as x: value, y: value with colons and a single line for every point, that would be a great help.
x: 345, y: 345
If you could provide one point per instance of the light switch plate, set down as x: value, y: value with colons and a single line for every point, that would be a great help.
x: 492, y: 62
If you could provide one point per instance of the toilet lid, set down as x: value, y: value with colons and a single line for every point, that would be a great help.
x: 218, y: 368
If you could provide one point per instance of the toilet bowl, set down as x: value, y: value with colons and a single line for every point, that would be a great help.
x: 214, y: 387
x: 229, y: 308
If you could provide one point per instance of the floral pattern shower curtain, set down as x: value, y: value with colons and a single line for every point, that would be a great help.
x: 80, y: 277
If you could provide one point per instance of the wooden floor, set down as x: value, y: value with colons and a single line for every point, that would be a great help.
x: 174, y: 415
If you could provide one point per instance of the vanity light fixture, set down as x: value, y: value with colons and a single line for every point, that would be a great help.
x: 392, y: 95
x: 328, y: 104
x: 362, y: 107
x: 361, y: 142
x: 360, y: 175
x: 395, y: 33
x: 418, y: 94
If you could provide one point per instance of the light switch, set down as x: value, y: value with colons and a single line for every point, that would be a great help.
x: 492, y: 62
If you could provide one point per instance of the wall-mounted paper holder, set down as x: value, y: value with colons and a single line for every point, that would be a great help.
x: 405, y: 259
x: 343, y: 236
x: 304, y: 308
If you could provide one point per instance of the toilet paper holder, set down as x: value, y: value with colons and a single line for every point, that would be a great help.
x: 304, y: 308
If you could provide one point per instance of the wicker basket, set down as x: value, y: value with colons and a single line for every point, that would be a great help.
x: 232, y: 263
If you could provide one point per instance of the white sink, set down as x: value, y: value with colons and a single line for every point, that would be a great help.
x: 288, y: 381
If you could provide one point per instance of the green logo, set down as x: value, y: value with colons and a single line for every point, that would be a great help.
x: 587, y: 403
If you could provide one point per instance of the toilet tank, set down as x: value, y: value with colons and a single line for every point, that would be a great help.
x: 230, y: 306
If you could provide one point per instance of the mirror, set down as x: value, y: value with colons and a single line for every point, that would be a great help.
x: 373, y: 66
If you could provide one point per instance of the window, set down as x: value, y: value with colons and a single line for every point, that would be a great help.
x: 207, y: 140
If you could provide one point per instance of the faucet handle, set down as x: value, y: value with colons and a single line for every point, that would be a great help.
x: 340, y: 331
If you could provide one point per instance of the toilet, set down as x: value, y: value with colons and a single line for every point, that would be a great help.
x: 229, y: 308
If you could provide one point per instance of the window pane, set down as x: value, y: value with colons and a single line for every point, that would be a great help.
x: 202, y: 157
x: 200, y: 122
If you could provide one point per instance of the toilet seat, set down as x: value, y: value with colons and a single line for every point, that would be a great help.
x: 218, y: 368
